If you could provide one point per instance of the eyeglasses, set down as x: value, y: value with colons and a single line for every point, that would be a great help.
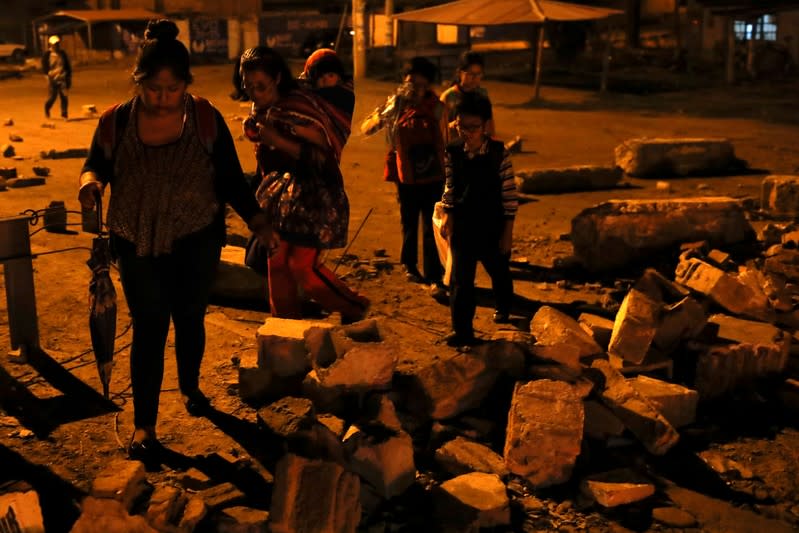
x: 470, y: 127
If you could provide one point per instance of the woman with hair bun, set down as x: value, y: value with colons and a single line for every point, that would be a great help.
x: 171, y: 164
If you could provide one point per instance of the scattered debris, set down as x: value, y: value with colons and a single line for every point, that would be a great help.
x: 8, y: 122
x: 7, y: 150
x: 41, y: 171
x: 14, y: 138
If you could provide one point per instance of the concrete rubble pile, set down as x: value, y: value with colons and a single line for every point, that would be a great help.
x: 480, y: 430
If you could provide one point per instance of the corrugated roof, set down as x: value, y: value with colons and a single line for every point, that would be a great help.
x: 495, y: 12
x: 106, y: 15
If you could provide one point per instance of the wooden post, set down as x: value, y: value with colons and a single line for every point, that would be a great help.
x: 730, y: 50
x: 539, y: 54
x: 603, y: 81
x: 389, y: 27
x: 359, y: 41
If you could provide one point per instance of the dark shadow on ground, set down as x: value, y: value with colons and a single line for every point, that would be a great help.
x: 78, y: 402
x: 58, y: 498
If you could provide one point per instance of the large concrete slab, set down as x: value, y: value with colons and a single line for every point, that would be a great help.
x: 568, y: 179
x: 618, y: 232
x: 663, y: 157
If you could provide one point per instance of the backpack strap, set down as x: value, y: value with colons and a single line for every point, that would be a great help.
x: 206, y: 126
x: 107, y: 129
x: 206, y: 122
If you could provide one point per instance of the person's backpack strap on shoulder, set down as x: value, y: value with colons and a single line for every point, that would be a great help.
x: 204, y: 114
x: 206, y: 122
x: 108, y: 131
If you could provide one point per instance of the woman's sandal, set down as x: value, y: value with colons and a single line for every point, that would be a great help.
x: 144, y: 445
x: 197, y: 403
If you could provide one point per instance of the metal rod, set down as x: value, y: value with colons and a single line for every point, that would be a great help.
x: 357, y: 232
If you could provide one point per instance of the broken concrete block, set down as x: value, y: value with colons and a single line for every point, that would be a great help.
x: 314, y: 496
x: 639, y: 414
x: 103, y: 514
x: 679, y: 322
x: 569, y: 179
x: 660, y: 157
x: 166, y: 505
x: 363, y: 331
x: 121, y: 480
x: 659, y: 288
x: 21, y: 511
x: 779, y: 195
x: 782, y: 261
x: 255, y: 383
x: 76, y: 153
x: 8, y: 122
x: 194, y: 479
x: 449, y: 387
x: 193, y: 513
x: 3, y: 184
x: 14, y: 138
x: 20, y: 183
x: 618, y: 232
x: 8, y: 172
x: 287, y: 416
x: 461, y: 456
x: 725, y: 289
x: 241, y: 520
x: 617, y: 487
x: 281, y: 345
x: 89, y: 110
x: 544, y: 432
x: 600, y: 422
x: 48, y: 125
x: 507, y: 351
x: 320, y: 347
x: 723, y: 368
x: 220, y: 496
x: 552, y: 328
x: 379, y: 450
x: 635, y: 327
x: 336, y: 425
x: 472, y: 502
x: 600, y: 328
x: 738, y: 330
x: 675, y: 402
x: 364, y: 368
x: 8, y: 150
x: 772, y: 285
x: 234, y: 281
x: 721, y: 259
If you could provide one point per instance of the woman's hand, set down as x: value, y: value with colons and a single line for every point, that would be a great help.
x: 89, y: 193
x: 263, y: 231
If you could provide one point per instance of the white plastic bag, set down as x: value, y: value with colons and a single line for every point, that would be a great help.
x: 442, y: 244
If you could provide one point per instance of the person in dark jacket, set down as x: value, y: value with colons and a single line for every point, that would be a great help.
x: 480, y: 203
x: 170, y: 182
x: 56, y: 66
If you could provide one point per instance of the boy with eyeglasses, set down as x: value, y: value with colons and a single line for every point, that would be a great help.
x: 480, y: 203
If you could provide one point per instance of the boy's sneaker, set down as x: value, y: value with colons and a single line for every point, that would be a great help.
x: 457, y: 340
x: 438, y: 291
x: 501, y: 317
x: 412, y: 274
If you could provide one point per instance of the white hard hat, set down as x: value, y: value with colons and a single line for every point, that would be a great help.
x: 54, y: 39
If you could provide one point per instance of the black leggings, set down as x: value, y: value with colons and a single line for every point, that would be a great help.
x: 175, y: 286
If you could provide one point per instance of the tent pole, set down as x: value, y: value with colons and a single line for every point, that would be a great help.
x: 539, y: 51
x: 730, y: 50
x: 539, y: 54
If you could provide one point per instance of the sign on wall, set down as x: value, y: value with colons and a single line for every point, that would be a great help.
x: 209, y: 38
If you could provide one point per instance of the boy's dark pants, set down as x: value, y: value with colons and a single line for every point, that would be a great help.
x: 175, y: 286
x: 56, y: 90
x: 415, y: 200
x: 466, y: 252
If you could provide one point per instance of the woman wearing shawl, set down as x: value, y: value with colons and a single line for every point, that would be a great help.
x: 302, y: 191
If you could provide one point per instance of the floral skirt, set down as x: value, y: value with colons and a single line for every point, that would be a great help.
x: 310, y: 212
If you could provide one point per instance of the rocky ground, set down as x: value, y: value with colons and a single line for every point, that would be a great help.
x: 734, y: 469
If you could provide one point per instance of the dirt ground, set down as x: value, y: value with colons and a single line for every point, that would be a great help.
x: 567, y: 128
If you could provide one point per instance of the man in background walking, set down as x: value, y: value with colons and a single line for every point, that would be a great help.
x: 55, y: 65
